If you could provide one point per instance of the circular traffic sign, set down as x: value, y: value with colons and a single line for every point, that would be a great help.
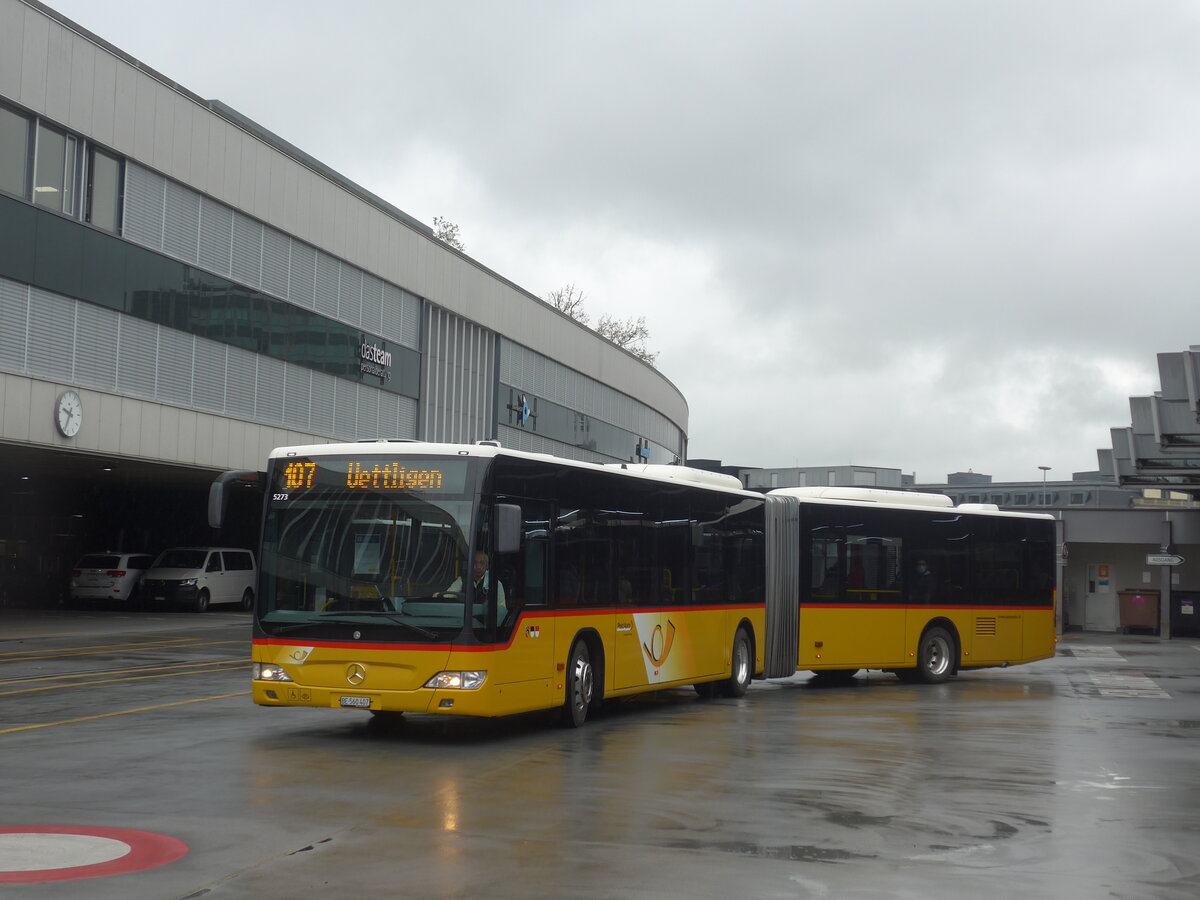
x: 30, y: 854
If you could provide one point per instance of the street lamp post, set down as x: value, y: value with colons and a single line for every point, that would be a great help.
x: 1044, y: 469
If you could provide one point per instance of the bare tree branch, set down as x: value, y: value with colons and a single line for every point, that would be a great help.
x: 568, y: 299
x: 447, y: 232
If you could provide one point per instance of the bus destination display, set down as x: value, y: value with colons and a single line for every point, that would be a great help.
x: 377, y: 475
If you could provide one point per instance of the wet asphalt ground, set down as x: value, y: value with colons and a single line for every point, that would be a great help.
x: 1073, y: 777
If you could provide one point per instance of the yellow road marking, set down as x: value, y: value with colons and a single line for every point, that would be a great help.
x: 152, y: 642
x: 123, y: 712
x: 139, y: 669
x: 71, y: 652
x: 59, y: 687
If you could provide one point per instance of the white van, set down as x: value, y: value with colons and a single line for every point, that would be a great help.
x: 199, y: 577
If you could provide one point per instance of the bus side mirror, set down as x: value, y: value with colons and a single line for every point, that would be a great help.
x: 508, y: 527
x: 218, y: 493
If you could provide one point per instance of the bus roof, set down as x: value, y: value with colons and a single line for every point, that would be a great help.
x: 492, y: 449
x: 893, y: 499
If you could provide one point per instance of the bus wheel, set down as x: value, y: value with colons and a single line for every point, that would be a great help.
x: 935, y: 656
x: 580, y: 686
x: 201, y: 604
x: 742, y: 668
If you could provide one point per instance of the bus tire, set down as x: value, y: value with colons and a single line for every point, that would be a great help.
x: 936, y: 656
x: 201, y: 603
x: 581, y: 685
x: 741, y: 666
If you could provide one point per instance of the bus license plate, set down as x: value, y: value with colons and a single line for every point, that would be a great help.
x: 359, y: 702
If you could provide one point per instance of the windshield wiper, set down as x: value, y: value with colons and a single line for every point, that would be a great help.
x: 298, y: 626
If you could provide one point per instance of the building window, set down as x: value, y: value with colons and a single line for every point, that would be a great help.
x: 104, y: 191
x: 1078, y: 498
x: 831, y: 477
x: 54, y: 173
x: 14, y: 152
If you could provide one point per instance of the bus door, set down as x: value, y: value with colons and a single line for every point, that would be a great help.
x: 655, y: 631
x: 517, y: 586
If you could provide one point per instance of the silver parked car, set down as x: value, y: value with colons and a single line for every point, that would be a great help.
x: 108, y: 576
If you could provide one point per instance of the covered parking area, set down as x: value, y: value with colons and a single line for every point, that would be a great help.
x: 56, y: 505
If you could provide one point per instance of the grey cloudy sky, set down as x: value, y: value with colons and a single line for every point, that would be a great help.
x: 926, y: 235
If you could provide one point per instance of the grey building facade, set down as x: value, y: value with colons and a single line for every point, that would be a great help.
x: 181, y: 291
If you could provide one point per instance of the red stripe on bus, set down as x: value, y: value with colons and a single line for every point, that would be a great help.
x: 922, y: 608
x: 491, y: 648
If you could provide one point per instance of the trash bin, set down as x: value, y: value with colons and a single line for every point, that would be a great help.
x: 1185, y: 613
x: 1139, y: 609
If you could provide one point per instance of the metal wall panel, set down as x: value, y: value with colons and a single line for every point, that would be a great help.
x: 14, y: 313
x: 51, y: 314
x: 215, y: 237
x: 104, y: 97
x: 95, y: 346
x: 276, y: 260
x: 208, y: 389
x: 350, y: 302
x: 327, y: 271
x: 181, y: 222
x: 246, y: 265
x: 458, y: 379
x: 176, y: 354
x: 297, y: 393
x: 321, y: 404
x: 367, y: 424
x: 269, y: 391
x: 302, y: 277
x: 345, y: 407
x: 240, y: 383
x: 142, y: 221
x: 12, y: 34
x: 33, y: 52
x: 83, y: 72
x: 137, y: 357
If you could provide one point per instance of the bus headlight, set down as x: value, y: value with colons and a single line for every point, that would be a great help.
x: 457, y: 681
x: 268, y: 672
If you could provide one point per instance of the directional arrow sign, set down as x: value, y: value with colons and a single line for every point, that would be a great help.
x: 1163, y: 559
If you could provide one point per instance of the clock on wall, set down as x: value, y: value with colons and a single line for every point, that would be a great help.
x: 68, y: 413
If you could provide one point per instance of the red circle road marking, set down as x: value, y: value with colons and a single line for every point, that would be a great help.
x: 146, y: 851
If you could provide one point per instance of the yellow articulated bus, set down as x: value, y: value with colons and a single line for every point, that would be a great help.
x: 474, y: 580
x: 399, y: 576
x: 905, y: 582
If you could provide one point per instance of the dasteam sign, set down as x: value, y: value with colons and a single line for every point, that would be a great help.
x: 374, y: 360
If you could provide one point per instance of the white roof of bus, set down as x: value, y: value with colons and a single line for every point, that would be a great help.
x: 892, y: 499
x: 697, y: 477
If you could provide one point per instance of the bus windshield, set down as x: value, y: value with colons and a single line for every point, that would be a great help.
x: 381, y: 546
